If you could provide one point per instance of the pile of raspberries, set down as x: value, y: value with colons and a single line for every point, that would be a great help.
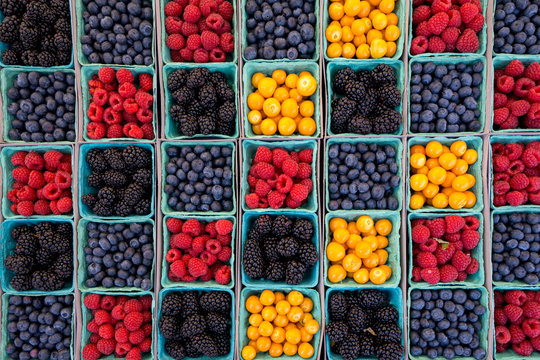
x: 42, y: 183
x: 516, y: 173
x: 442, y: 248
x: 119, y: 325
x: 278, y: 178
x: 199, y: 32
x: 517, y: 321
x: 121, y: 106
x: 199, y: 251
x: 517, y: 96
x: 446, y: 26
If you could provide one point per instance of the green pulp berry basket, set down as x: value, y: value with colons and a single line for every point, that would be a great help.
x: 394, y: 142
x: 244, y: 317
x: 8, y: 75
x: 82, y: 237
x: 165, y: 208
x: 452, y: 60
x: 393, y: 248
x: 8, y: 246
x: 249, y: 148
x: 168, y: 283
x: 230, y: 70
x: 311, y: 278
x: 7, y: 168
x: 86, y: 75
x: 335, y: 66
x: 395, y: 297
x: 291, y: 67
x: 476, y: 279
x: 85, y: 188
x: 162, y: 353
x: 473, y: 142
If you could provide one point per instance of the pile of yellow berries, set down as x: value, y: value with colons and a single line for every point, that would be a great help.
x: 362, y: 28
x: 280, y: 103
x: 280, y: 324
x: 439, y: 175
x: 357, y: 250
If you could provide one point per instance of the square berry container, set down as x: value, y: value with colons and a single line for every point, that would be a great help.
x: 165, y: 208
x: 451, y: 60
x: 478, y: 253
x: 311, y: 278
x: 162, y: 354
x: 335, y: 66
x: 395, y: 297
x: 7, y: 180
x: 393, y: 248
x: 231, y: 72
x: 8, y: 75
x: 295, y: 67
x: 244, y: 319
x: 473, y: 142
x: 82, y: 241
x: 85, y: 188
x: 394, y: 142
x: 86, y: 75
x: 8, y: 246
x: 168, y: 283
x: 249, y: 148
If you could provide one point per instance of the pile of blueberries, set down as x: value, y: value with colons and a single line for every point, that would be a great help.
x: 515, y: 247
x: 362, y: 177
x: 444, y: 97
x: 43, y: 107
x: 446, y: 323
x: 119, y: 255
x: 39, y: 327
x: 517, y: 27
x: 280, y: 29
x: 199, y: 178
x: 118, y: 32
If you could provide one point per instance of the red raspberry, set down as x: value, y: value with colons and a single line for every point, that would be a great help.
x: 522, y: 87
x: 515, y: 68
x: 144, y: 100
x: 225, y: 254
x: 426, y: 260
x: 224, y: 227
x: 471, y: 223
x: 306, y: 156
x: 448, y: 273
x: 436, y: 45
x: 132, y: 305
x: 419, y: 45
x: 505, y: 84
x: 173, y: 25
x: 106, y: 331
x: 174, y: 225
x: 437, y: 227
x: 264, y: 171
x: 454, y: 223
x: 18, y: 158
x: 136, y: 337
x: 444, y: 255
x: 470, y: 239
x: 124, y: 76
x: 430, y: 245
x: 200, y: 56
x: 438, y: 22
x: 515, y: 297
x: 530, y: 157
x: 92, y: 301
x: 134, y: 354
x: 100, y: 97
x: 127, y: 90
x: 226, y: 42
x: 473, y: 267
x: 450, y: 35
x: 106, y: 74
x: 279, y: 156
x: 515, y: 198
x: 223, y: 275
x: 263, y: 154
x: 477, y: 23
x: 145, y: 116
x: 226, y: 10
x: 52, y: 159
x: 441, y: 6
x: 192, y: 227
x: 523, y: 348
x: 208, y: 7
x: 422, y: 29
x: 25, y: 208
x: 215, y: 22
x: 180, y: 241
x: 115, y: 131
x: 468, y: 11
x: 500, y: 163
x: 118, y: 313
x: 534, y: 184
x: 191, y: 14
x: 173, y: 255
x: 520, y: 107
x: 519, y: 181
x: 148, y: 131
x: 513, y: 313
x: 217, y: 55
x: 133, y: 321
x: 175, y: 42
x: 26, y: 194
x: 430, y: 275
x: 299, y: 192
x: 106, y: 346
x: 460, y: 260
x: 146, y: 81
x: 102, y: 317
x: 208, y: 258
x: 65, y: 205
x: 499, y: 100
x: 304, y: 171
x: 536, y: 343
x: 531, y: 309
x: 34, y: 161
x: 146, y: 345
x: 22, y: 174
x: 468, y: 41
x: 500, y: 317
x: 252, y: 201
x: 262, y: 188
x: 96, y: 130
x: 514, y: 150
x: 189, y: 29
x: 420, y: 234
x: 213, y: 246
x: 173, y: 8
x: 116, y: 101
x: 196, y: 267
x: 534, y: 94
x: 502, y: 334
x: 276, y: 199
x: 416, y: 274
x: 533, y: 71
x: 91, y: 352
x: 42, y: 207
x: 421, y: 13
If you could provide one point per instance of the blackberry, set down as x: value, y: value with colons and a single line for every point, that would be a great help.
x: 38, y: 11
x: 46, y: 281
x: 207, y: 96
x: 26, y: 245
x: 48, y: 240
x: 216, y: 301
x: 193, y: 325
x: 134, y: 193
x: 42, y: 227
x: 263, y: 224
x: 308, y: 255
x: 357, y: 319
x: 364, y: 76
x: 190, y: 303
x: 28, y: 34
x: 223, y: 343
x: 218, y: 78
x: 114, y: 158
x: 252, y: 259
x: 342, y: 110
x: 342, y: 78
x: 188, y: 125
x: 387, y: 333
x: 337, y: 331
x: 288, y: 247
x: 205, y: 345
x: 253, y: 234
x: 227, y: 112
x: 44, y: 258
x: 386, y: 315
x: 114, y: 178
x: 11, y: 7
x: 275, y: 271
x: 353, y: 298
x: 177, y: 79
x: 102, y: 209
x: 63, y: 26
x: 337, y: 306
x: 18, y: 231
x: 63, y: 266
x: 183, y: 96
x: 356, y: 91
x: 143, y: 177
x: 168, y: 326
x: 349, y: 349
x: 302, y: 229
x: 63, y: 45
x: 107, y: 195
x: 207, y: 125
x: 217, y: 324
x: 191, y: 350
x: 367, y: 345
x: 177, y: 111
x: 9, y: 29
x: 95, y: 179
x: 89, y: 200
x: 372, y: 298
x: 224, y: 91
x: 226, y: 127
x: 383, y: 74
x: 368, y: 103
x: 197, y: 77
x: 172, y: 304
x: 195, y: 108
x: 143, y: 207
x: 21, y: 282
x: 60, y: 7
x: 387, y: 121
x: 390, y: 351
x: 282, y: 225
x: 137, y: 157
x: 96, y: 161
x: 122, y: 208
x: 359, y: 124
x: 10, y: 57
x: 175, y: 349
x: 295, y: 272
x: 65, y: 228
x: 46, y: 59
x: 389, y: 95
x: 30, y: 58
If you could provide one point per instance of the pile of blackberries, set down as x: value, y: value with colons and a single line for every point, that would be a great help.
x: 516, y: 26
x: 119, y: 255
x: 42, y: 258
x: 279, y: 248
x: 123, y: 179
x: 196, y: 324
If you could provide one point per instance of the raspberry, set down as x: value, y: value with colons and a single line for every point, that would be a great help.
x: 514, y: 151
x: 500, y: 317
x: 515, y: 198
x: 106, y: 346
x: 102, y: 317
x: 455, y: 18
x: 515, y: 68
x: 422, y: 29
x: 215, y: 22
x: 437, y: 227
x: 421, y: 13
x: 196, y: 267
x: 530, y: 157
x: 144, y: 100
x: 263, y: 154
x: 522, y: 87
x: 96, y: 130
x: 174, y: 225
x: 468, y: 11
x: 299, y: 192
x: 173, y: 9
x: 180, y: 241
x: 92, y: 301
x: 436, y: 45
x: 173, y: 255
x: 448, y: 273
x: 505, y: 84
x: 430, y: 275
x: 431, y: 245
x: 276, y: 199
x: 189, y: 29
x: 531, y: 327
x: 52, y: 159
x: 470, y: 239
x: 42, y: 207
x: 252, y: 201
x: 136, y: 337
x: 519, y: 181
x: 106, y: 331
x: 515, y: 297
x: 223, y: 275
x: 468, y: 41
x: 217, y: 55
x: 279, y: 156
x: 224, y: 227
x: 264, y: 171
x: 477, y: 23
x: 132, y: 305
x: 420, y: 234
x: 419, y: 45
x: 115, y: 131
x: 531, y: 309
x: 473, y: 267
x: 146, y: 345
x: 454, y: 223
x: 26, y: 194
x: 450, y: 35
x: 106, y: 74
x: 134, y: 354
x: 533, y: 71
x: 133, y: 321
x: 213, y: 246
x: 471, y: 223
x: 65, y: 205
x: 499, y: 100
x: 501, y: 163
x: 513, y: 313
x: 200, y: 56
x: 460, y: 260
x: 191, y: 14
x: 426, y: 260
x: 226, y: 42
x: 18, y: 158
x: 520, y: 107
x: 523, y: 348
x: 304, y: 171
x: 118, y: 313
x: 22, y: 174
x: 438, y: 22
x: 502, y: 334
x: 225, y: 254
x: 124, y: 76
x: 25, y: 208
x: 441, y: 6
x: 175, y: 42
x: 534, y: 184
x: 91, y: 352
x: 226, y: 10
x: 173, y: 25
x: 444, y: 255
x: 192, y: 227
x: 34, y: 161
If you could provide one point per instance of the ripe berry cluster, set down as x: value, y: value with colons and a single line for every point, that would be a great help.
x: 120, y: 105
x: 516, y: 173
x: 516, y: 27
x: 516, y: 98
x: 42, y: 183
x: 199, y: 251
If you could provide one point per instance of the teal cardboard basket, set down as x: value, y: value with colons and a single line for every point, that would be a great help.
x: 230, y: 70
x: 82, y: 275
x: 290, y: 67
x: 394, y: 142
x: 165, y: 208
x: 7, y: 183
x: 85, y: 171
x: 452, y: 60
x: 8, y: 246
x: 162, y: 353
x: 335, y: 66
x: 244, y: 319
x: 249, y: 148
x: 311, y: 278
x: 393, y: 248
x: 476, y: 279
x: 86, y: 75
x: 8, y: 75
x: 473, y: 142
x: 168, y: 283
x: 395, y: 298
